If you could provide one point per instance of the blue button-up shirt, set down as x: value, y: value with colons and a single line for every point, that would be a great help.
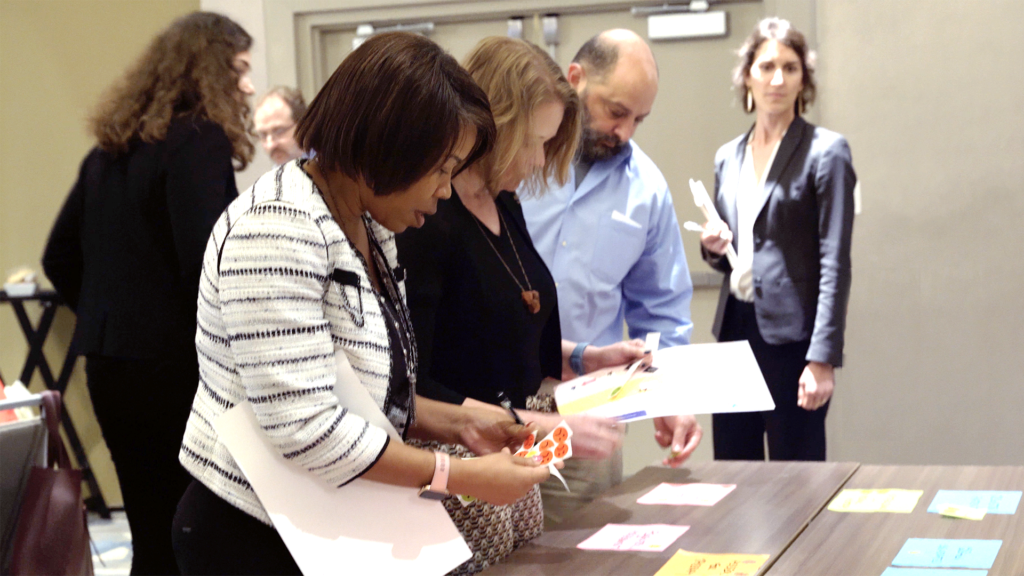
x: 614, y: 249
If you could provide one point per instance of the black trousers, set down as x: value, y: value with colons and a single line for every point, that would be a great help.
x: 793, y: 433
x: 142, y: 406
x: 213, y: 537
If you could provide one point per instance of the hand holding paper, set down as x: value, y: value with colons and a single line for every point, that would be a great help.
x: 497, y: 479
x: 707, y: 207
x: 552, y: 450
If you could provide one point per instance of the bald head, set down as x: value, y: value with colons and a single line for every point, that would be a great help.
x: 617, y: 50
x: 617, y: 79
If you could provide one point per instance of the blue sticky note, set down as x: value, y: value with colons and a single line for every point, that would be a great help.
x: 991, y: 501
x: 942, y: 553
x: 892, y: 571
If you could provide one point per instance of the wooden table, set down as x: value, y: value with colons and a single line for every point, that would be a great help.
x: 866, y: 543
x: 772, y: 503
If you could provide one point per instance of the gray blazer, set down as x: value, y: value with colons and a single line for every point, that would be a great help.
x: 802, y: 235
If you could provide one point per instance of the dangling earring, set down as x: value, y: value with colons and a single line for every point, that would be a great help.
x: 750, y: 102
x: 802, y: 103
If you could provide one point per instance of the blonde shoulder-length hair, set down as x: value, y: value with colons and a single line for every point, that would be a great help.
x: 518, y: 77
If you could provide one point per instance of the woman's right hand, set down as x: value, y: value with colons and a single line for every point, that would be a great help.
x: 716, y: 237
x: 498, y: 478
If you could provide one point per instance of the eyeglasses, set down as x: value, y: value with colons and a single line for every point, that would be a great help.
x: 274, y: 134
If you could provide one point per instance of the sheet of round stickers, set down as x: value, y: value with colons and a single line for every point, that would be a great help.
x: 552, y: 449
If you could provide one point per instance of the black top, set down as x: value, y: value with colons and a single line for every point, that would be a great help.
x: 398, y: 406
x: 127, y: 248
x: 474, y: 335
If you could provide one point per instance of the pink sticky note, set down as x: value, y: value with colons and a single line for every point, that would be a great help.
x: 624, y: 537
x: 686, y: 494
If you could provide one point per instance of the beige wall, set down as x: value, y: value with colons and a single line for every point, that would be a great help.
x: 56, y: 57
x: 929, y: 94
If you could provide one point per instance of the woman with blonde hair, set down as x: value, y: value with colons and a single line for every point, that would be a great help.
x: 482, y: 301
x: 127, y: 249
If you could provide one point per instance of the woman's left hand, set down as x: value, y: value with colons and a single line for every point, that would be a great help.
x: 485, y: 431
x: 626, y: 352
x: 816, y: 385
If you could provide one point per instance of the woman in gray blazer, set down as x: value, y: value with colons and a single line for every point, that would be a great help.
x: 784, y: 191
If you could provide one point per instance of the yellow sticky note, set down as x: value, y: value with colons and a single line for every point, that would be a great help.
x: 962, y: 512
x: 899, y: 501
x: 699, y: 564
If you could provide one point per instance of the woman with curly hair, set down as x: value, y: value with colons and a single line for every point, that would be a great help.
x: 127, y: 249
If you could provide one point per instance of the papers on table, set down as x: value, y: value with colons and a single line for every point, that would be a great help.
x: 988, y: 501
x: 964, y: 512
x: 693, y: 379
x: 695, y: 494
x: 367, y: 527
x: 941, y: 553
x: 899, y: 501
x: 623, y: 537
x: 685, y: 563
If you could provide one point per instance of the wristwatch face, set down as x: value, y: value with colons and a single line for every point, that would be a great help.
x: 429, y: 494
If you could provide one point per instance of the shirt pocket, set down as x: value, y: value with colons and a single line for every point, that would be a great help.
x: 617, y: 246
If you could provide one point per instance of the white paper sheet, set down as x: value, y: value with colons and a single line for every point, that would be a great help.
x: 364, y: 527
x: 694, y: 379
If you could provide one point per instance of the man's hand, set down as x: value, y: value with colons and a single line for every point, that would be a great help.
x: 816, y: 385
x: 625, y: 352
x: 682, y: 433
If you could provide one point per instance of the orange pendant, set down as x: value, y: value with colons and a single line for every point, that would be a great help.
x: 531, y: 300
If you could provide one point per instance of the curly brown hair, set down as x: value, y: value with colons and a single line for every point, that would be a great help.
x: 186, y: 70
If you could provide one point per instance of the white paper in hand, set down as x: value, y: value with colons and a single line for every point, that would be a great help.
x: 367, y: 527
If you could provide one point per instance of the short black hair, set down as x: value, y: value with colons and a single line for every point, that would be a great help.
x: 392, y: 111
x: 598, y: 56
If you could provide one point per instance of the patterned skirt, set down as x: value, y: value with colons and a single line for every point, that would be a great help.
x: 493, y: 532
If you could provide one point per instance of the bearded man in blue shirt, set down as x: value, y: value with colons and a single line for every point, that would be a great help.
x: 611, y: 240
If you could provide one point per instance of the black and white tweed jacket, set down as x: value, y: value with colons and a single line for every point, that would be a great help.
x: 281, y: 290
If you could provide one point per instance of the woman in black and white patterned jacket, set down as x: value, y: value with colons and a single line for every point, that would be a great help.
x: 302, y: 268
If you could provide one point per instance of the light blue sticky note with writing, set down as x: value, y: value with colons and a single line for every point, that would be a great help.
x: 991, y: 501
x: 942, y: 553
x: 893, y: 571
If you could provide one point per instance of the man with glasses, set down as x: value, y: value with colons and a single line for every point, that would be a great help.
x: 274, y: 119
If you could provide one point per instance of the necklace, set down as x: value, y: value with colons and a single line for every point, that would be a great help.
x: 531, y: 298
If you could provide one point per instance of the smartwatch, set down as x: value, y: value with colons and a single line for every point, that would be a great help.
x: 438, y: 487
x: 576, y: 358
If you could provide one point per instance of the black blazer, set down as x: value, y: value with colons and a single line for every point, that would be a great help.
x: 127, y: 248
x: 802, y: 236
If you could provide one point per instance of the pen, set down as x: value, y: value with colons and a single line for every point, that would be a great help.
x: 507, y: 405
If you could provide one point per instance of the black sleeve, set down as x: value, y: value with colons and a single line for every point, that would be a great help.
x: 424, y: 253
x: 200, y: 184
x: 62, y: 257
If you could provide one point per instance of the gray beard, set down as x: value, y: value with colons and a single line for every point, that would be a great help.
x: 595, y: 146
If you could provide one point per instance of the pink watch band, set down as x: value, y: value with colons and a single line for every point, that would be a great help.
x: 442, y: 466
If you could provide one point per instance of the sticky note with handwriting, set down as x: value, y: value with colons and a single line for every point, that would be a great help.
x: 899, y: 501
x: 943, y: 553
x: 625, y: 537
